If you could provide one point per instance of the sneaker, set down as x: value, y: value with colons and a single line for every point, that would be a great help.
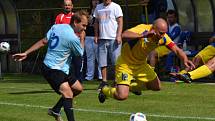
x: 101, y: 85
x: 55, y: 115
x: 184, y: 77
x: 101, y: 97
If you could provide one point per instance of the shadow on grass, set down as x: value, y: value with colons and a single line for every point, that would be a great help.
x: 32, y: 92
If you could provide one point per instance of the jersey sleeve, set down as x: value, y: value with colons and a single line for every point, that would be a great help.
x: 139, y: 29
x: 167, y: 41
x: 76, y: 48
x: 48, y: 34
x: 118, y: 11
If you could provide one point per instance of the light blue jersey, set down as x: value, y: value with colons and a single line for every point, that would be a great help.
x: 62, y: 45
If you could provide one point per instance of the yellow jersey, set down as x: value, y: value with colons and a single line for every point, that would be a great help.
x: 135, y: 52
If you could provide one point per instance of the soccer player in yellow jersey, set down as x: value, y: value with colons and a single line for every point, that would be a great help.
x: 206, y: 58
x: 132, y: 63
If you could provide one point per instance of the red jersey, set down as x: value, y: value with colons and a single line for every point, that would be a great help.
x: 63, y: 18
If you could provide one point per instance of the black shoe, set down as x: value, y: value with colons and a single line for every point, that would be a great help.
x: 137, y: 92
x: 184, y: 77
x: 101, y: 97
x: 101, y: 85
x: 99, y: 80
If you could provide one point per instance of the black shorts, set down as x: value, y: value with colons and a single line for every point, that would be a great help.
x: 77, y: 68
x: 56, y: 77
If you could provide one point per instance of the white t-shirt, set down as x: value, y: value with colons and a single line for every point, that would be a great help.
x: 107, y: 16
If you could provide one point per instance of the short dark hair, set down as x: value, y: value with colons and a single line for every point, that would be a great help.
x: 77, y: 16
x: 172, y: 12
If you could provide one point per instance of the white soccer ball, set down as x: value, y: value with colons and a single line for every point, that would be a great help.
x: 138, y: 117
x: 4, y: 46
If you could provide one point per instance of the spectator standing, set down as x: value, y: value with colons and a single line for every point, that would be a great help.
x: 91, y: 48
x: 108, y: 30
x: 65, y: 17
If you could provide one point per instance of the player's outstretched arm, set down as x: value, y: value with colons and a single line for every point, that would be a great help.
x: 181, y: 54
x: 36, y: 46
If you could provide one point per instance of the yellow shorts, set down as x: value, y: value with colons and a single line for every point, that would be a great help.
x: 207, y: 53
x: 125, y: 73
x: 162, y: 51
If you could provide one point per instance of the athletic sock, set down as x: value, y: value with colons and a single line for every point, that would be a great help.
x: 67, y: 104
x: 182, y: 72
x: 200, y: 72
x: 109, y: 91
x: 58, y: 105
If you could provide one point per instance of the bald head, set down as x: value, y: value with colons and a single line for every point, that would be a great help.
x: 161, y: 25
x: 68, y: 6
x: 67, y: 1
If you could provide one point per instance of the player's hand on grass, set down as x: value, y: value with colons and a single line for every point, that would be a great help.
x: 19, y: 56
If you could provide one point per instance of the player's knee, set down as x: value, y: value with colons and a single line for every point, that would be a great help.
x: 156, y: 89
x: 78, y: 90
x: 66, y: 91
x: 122, y: 96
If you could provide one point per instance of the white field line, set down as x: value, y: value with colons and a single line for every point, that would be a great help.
x: 111, y: 112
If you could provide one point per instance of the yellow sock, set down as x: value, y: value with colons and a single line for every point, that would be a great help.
x: 200, y: 72
x: 182, y: 72
x: 109, y: 91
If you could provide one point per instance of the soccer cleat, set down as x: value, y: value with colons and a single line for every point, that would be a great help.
x: 184, y: 77
x: 55, y: 115
x: 101, y: 97
x: 137, y: 92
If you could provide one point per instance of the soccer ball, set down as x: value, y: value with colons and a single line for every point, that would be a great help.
x: 4, y: 46
x: 138, y: 117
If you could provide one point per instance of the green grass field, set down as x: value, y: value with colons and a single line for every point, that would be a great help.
x: 26, y: 97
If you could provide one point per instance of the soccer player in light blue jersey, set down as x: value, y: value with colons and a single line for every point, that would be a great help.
x: 62, y: 43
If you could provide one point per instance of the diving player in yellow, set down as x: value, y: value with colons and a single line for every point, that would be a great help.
x: 206, y: 58
x: 132, y: 63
